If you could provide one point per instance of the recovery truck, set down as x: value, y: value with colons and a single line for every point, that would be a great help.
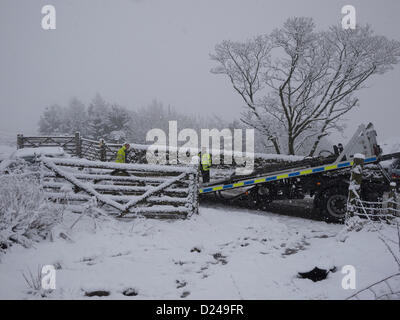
x: 324, y: 179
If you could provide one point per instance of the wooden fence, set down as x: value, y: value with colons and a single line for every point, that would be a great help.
x: 384, y: 209
x: 74, y: 145
x: 81, y: 147
x: 123, y: 189
x: 71, y: 144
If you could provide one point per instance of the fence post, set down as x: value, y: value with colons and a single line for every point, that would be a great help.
x: 193, y: 199
x: 103, y: 151
x: 78, y: 144
x: 355, y: 184
x: 392, y: 200
x: 20, y: 141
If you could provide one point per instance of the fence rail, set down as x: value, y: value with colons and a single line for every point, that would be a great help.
x: 123, y: 189
x: 81, y: 147
x: 356, y: 206
x: 74, y: 145
x: 68, y: 143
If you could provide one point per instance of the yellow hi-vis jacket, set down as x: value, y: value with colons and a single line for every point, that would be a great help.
x: 205, y: 162
x: 121, y: 155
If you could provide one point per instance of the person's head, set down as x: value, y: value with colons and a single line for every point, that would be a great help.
x: 127, y: 146
x: 203, y: 150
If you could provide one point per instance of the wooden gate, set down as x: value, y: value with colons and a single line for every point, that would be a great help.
x: 71, y: 144
x: 125, y: 190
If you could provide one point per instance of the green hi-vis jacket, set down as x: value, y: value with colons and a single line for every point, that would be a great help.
x: 206, y: 161
x: 121, y: 155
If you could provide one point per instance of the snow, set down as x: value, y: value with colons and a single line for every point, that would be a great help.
x: 5, y: 164
x: 108, y: 187
x: 391, y: 145
x: 359, y: 156
x: 222, y: 253
x: 5, y: 151
x: 70, y: 195
x: 114, y: 178
x: 84, y: 186
x: 153, y: 190
x: 31, y: 152
x: 227, y: 152
x: 93, y: 189
x: 122, y: 166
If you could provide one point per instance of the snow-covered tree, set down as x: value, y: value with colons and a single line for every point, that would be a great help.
x: 116, y: 124
x: 119, y: 123
x: 97, y: 125
x: 51, y: 121
x: 76, y: 117
x: 298, y: 83
x: 156, y: 115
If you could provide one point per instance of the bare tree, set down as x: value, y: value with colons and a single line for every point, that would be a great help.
x: 297, y: 83
x: 244, y: 63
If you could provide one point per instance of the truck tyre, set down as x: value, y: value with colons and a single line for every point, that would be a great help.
x: 333, y: 203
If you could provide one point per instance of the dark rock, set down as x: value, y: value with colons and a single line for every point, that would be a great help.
x: 130, y: 292
x: 180, y: 284
x: 316, y: 274
x: 97, y: 293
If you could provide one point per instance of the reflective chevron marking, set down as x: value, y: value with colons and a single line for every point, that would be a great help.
x: 246, y: 183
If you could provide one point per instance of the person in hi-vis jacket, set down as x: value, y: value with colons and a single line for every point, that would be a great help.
x: 205, y: 165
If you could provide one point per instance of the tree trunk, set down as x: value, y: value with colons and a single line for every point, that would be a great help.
x: 316, y: 142
x: 291, y: 146
x: 276, y: 145
x: 315, y: 145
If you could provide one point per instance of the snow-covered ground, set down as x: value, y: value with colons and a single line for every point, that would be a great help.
x: 6, y: 151
x: 222, y: 253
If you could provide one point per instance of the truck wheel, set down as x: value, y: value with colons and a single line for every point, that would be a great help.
x: 334, y: 203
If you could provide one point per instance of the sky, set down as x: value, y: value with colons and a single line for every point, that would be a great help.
x: 134, y: 51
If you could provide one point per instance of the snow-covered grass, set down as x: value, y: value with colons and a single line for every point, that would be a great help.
x: 222, y: 253
x: 25, y: 214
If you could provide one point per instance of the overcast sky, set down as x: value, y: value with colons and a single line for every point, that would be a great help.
x: 133, y: 51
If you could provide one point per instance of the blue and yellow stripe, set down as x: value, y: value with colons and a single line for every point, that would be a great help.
x: 309, y: 171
